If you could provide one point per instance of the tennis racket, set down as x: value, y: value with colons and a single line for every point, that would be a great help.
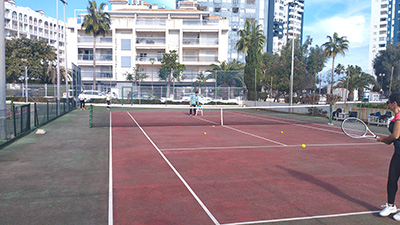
x: 356, y: 128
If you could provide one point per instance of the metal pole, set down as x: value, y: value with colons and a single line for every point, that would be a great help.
x: 3, y: 131
x: 291, y: 74
x: 26, y: 84
x: 58, y: 64
x: 65, y: 57
x: 391, y: 78
x: 255, y: 86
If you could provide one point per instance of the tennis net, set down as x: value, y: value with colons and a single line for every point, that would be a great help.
x: 161, y: 115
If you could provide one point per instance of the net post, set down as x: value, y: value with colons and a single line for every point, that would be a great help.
x: 222, y: 117
x: 90, y: 116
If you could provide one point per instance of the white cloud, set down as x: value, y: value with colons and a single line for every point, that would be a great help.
x: 354, y: 28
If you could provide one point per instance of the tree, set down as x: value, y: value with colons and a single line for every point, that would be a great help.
x: 339, y: 70
x: 355, y: 80
x: 170, y: 69
x: 251, y: 43
x: 333, y: 46
x: 136, y: 77
x: 201, y: 80
x: 309, y: 61
x: 37, y: 55
x: 96, y: 23
x: 228, y: 74
x: 383, y: 63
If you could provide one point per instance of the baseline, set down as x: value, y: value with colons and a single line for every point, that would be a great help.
x: 265, y: 146
x: 303, y: 218
x: 177, y: 173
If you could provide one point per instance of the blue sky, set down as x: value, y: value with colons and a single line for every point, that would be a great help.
x: 321, y: 18
x: 347, y: 18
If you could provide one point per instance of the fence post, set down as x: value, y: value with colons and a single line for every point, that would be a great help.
x: 35, y: 117
x: 47, y: 107
x: 14, y: 120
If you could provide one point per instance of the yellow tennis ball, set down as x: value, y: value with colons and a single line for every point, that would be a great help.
x: 303, y: 145
x: 205, y: 133
x: 281, y: 132
x: 213, y: 126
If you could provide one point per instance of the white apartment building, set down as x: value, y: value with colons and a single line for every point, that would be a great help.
x: 25, y: 22
x: 139, y: 35
x: 288, y: 22
x: 381, y: 28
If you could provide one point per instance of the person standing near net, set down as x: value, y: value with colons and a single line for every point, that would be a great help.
x: 108, y: 99
x: 194, y: 101
x: 82, y: 100
x: 394, y: 168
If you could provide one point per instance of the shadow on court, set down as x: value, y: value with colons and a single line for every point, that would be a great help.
x: 57, y: 178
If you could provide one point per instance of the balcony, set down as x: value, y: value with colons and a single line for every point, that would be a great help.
x: 193, y: 58
x: 200, y: 22
x: 99, y: 74
x: 99, y: 57
x: 150, y: 40
x: 98, y: 40
x: 197, y: 41
x: 157, y: 58
x: 147, y: 22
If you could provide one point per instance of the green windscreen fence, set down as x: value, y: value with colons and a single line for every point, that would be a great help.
x: 25, y: 117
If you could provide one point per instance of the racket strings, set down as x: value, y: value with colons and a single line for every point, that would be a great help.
x: 354, y: 128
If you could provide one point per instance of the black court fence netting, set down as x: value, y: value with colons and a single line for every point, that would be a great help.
x: 26, y: 117
x: 206, y: 115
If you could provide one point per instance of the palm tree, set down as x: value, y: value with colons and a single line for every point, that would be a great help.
x: 228, y: 74
x: 251, y: 43
x: 334, y: 46
x: 96, y: 23
x: 339, y: 70
x: 355, y: 80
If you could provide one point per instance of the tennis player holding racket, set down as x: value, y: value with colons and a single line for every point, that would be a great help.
x: 394, y: 168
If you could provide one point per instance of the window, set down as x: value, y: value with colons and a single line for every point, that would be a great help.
x: 249, y: 10
x: 251, y: 1
x: 125, y: 44
x: 125, y: 61
x: 382, y: 45
x: 217, y: 9
x: 235, y: 9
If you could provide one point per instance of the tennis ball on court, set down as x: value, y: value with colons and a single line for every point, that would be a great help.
x: 281, y: 132
x: 303, y: 145
x: 213, y: 126
x: 205, y: 133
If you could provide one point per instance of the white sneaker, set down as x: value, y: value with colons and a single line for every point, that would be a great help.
x: 388, y: 210
x: 397, y: 216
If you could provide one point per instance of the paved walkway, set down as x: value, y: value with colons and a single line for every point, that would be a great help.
x: 57, y: 178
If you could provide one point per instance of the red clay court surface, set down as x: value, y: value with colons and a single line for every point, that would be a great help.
x: 239, y: 174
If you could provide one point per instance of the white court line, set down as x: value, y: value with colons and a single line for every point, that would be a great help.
x: 177, y: 173
x: 278, y: 120
x: 303, y: 218
x: 110, y: 181
x: 243, y: 132
x: 265, y: 146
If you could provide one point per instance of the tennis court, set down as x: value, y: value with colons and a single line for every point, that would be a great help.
x: 171, y: 168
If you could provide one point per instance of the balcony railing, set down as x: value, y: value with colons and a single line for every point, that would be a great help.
x: 149, y: 58
x: 101, y: 74
x: 98, y: 40
x: 151, y: 40
x: 99, y: 57
x: 197, y: 41
x: 158, y: 22
x: 200, y: 22
x: 193, y: 58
